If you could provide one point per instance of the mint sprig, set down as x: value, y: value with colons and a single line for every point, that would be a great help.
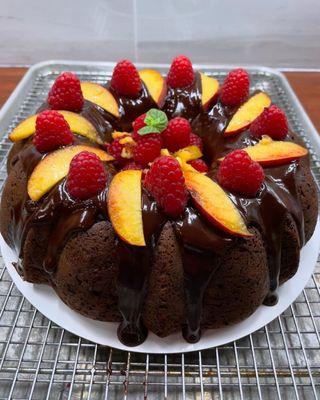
x: 156, y: 121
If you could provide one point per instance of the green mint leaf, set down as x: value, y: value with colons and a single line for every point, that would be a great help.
x: 157, y: 119
x: 148, y: 129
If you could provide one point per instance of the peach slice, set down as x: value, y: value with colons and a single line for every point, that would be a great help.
x: 213, y: 202
x: 77, y: 123
x: 273, y: 152
x: 155, y: 84
x: 125, y: 206
x: 188, y: 153
x: 209, y: 89
x: 55, y: 166
x: 247, y: 113
x: 99, y: 95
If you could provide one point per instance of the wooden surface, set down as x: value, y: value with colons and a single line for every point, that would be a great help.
x: 305, y: 84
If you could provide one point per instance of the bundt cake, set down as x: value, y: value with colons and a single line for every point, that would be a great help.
x: 161, y: 204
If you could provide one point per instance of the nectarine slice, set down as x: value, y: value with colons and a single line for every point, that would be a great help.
x: 99, y: 95
x: 189, y: 153
x: 54, y: 167
x: 214, y: 204
x: 155, y: 84
x: 273, y: 152
x: 247, y: 113
x: 209, y: 89
x: 125, y: 206
x: 77, y: 123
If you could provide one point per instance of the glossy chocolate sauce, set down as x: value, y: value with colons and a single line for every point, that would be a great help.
x: 202, y: 246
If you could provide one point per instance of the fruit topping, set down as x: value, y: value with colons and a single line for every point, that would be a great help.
x: 181, y: 72
x: 269, y: 152
x: 86, y: 177
x: 155, y: 84
x: 120, y: 150
x: 132, y: 165
x: 247, y: 113
x: 77, y: 123
x: 214, y: 204
x: 147, y: 150
x: 189, y: 153
x: 126, y: 80
x: 66, y: 93
x: 272, y: 122
x: 196, y: 140
x: 240, y: 174
x: 101, y: 96
x: 235, y: 88
x: 125, y: 206
x: 166, y: 184
x: 55, y: 166
x: 199, y: 165
x: 52, y: 131
x: 150, y: 124
x: 137, y: 124
x: 177, y: 134
x: 209, y: 90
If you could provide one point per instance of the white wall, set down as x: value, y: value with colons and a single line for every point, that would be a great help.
x: 272, y: 32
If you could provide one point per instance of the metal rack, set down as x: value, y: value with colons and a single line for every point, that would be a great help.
x: 40, y: 360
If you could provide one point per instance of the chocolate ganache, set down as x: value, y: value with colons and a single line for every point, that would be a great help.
x: 202, y: 245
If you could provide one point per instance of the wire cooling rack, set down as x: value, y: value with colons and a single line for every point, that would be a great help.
x: 40, y: 360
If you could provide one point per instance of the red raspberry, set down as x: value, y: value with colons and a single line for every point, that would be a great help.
x: 115, y: 149
x: 199, y: 165
x: 52, y: 131
x: 196, y: 140
x: 147, y: 150
x: 166, y: 184
x: 238, y: 173
x: 66, y: 93
x: 87, y: 176
x: 235, y: 88
x: 177, y: 134
x: 132, y: 165
x: 272, y: 122
x: 138, y: 124
x: 125, y: 79
x: 181, y: 73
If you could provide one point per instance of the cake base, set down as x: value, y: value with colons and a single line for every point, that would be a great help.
x: 44, y: 298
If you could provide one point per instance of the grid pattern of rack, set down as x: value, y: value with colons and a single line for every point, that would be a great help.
x: 40, y: 360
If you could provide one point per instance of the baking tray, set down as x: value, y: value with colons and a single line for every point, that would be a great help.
x: 40, y: 360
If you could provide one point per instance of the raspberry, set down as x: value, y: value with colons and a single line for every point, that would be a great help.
x: 199, y: 165
x: 196, y: 140
x: 52, y: 131
x: 238, y: 173
x: 235, y: 88
x: 87, y: 176
x: 177, y: 134
x: 138, y: 124
x: 66, y: 93
x: 272, y: 122
x: 181, y: 73
x: 125, y: 79
x: 115, y: 150
x: 131, y: 165
x: 147, y: 150
x: 166, y: 184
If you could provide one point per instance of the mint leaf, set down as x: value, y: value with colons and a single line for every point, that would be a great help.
x: 156, y: 119
x: 147, y: 129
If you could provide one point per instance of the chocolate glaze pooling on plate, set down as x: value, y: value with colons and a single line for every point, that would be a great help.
x: 200, y: 243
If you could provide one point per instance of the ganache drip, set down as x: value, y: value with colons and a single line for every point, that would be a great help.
x: 202, y: 245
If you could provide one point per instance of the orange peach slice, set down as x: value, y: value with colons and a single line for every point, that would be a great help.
x: 155, y: 84
x: 209, y: 90
x: 188, y: 153
x: 213, y: 202
x: 125, y: 206
x: 247, y: 113
x: 272, y: 152
x: 55, y: 166
x: 101, y: 96
x: 77, y: 123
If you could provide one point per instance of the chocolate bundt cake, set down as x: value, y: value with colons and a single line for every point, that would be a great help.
x: 161, y: 204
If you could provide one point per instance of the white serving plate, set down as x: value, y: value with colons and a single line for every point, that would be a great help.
x: 49, y: 304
